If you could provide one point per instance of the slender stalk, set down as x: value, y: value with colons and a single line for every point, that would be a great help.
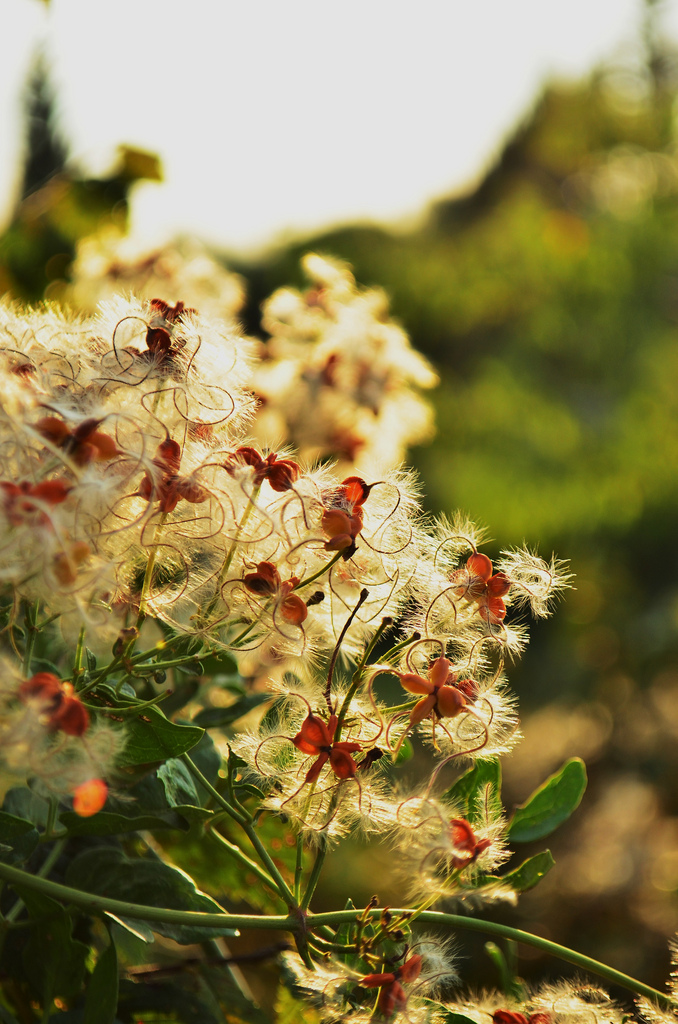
x: 148, y: 575
x: 299, y: 867
x: 321, y: 572
x: 364, y: 594
x: 77, y: 661
x: 358, y: 676
x: 47, y: 865
x: 242, y: 858
x: 30, y: 622
x: 262, y: 852
x: 294, y: 923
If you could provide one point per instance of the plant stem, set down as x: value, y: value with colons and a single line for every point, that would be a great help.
x: 242, y: 858
x: 264, y: 856
x: 299, y: 867
x: 148, y: 575
x: 321, y: 572
x: 30, y: 621
x: 294, y: 923
x: 77, y: 661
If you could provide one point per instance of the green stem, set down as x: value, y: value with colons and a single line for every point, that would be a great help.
x: 262, y: 852
x: 294, y: 923
x: 77, y: 661
x: 148, y: 575
x: 241, y: 857
x: 299, y: 867
x: 47, y: 865
x: 30, y: 621
x: 321, y: 572
x: 358, y: 676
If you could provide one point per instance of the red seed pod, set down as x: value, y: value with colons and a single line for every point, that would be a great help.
x: 509, y: 1017
x: 265, y: 581
x: 84, y: 444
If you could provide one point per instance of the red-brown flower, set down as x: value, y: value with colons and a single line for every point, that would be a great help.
x: 280, y: 473
x: 444, y: 694
x: 393, y: 997
x: 165, y: 485
x: 317, y: 739
x: 266, y: 582
x: 465, y: 841
x: 84, y: 444
x: 476, y: 582
x: 342, y: 518
x: 62, y: 708
x: 158, y: 337
x: 22, y: 501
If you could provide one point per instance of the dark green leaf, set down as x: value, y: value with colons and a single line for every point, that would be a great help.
x: 101, y: 1001
x: 22, y: 802
x: 106, y: 871
x: 151, y: 738
x: 54, y: 961
x: 91, y: 659
x: 110, y: 823
x: 470, y: 793
x: 18, y: 838
x: 450, y: 1017
x: 211, y: 718
x: 550, y: 805
x: 530, y: 872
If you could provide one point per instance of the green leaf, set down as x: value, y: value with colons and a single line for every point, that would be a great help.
x: 106, y: 871
x: 111, y: 823
x: 22, y: 802
x: 450, y: 1017
x: 550, y: 805
x: 53, y: 960
x: 470, y: 793
x: 101, y: 1001
x: 178, y: 783
x: 218, y: 718
x: 530, y: 872
x: 91, y: 659
x: 18, y: 838
x: 151, y: 738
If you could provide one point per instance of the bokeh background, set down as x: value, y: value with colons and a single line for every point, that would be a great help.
x: 542, y: 281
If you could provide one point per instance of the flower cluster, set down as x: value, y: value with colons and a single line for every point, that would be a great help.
x: 338, y: 377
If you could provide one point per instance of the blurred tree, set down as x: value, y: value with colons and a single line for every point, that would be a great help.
x: 57, y: 206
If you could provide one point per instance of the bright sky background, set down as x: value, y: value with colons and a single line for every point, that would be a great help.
x: 276, y: 116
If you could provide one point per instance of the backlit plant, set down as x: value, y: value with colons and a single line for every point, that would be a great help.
x: 219, y: 655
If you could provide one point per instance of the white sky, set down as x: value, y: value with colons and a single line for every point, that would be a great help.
x: 287, y: 115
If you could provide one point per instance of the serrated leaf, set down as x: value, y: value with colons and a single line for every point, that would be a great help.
x: 218, y: 718
x: 469, y: 793
x: 550, y: 805
x: 150, y: 737
x: 101, y: 1000
x: 107, y: 871
x: 18, y: 838
x: 530, y: 872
